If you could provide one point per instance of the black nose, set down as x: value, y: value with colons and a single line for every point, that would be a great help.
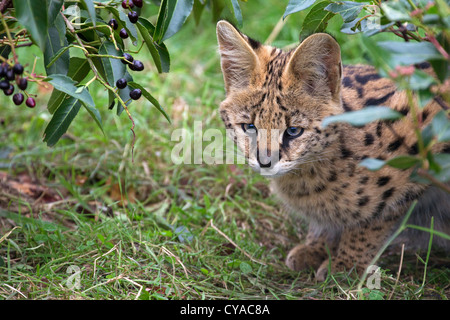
x: 265, y: 165
x: 264, y: 159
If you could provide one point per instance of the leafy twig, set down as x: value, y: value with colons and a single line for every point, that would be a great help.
x: 100, y: 79
x: 8, y: 34
x: 424, y: 174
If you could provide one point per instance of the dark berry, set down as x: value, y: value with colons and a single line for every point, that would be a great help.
x: 123, y: 33
x: 18, y: 68
x: 4, y: 84
x: 18, y: 98
x: 137, y: 66
x: 22, y: 83
x: 2, y: 71
x: 128, y: 57
x: 127, y: 4
x: 135, y: 94
x: 30, y: 102
x: 133, y: 16
x: 10, y: 75
x: 138, y: 3
x: 121, y: 83
x: 9, y: 91
x: 113, y: 24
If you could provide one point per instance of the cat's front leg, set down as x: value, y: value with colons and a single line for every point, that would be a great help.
x: 312, y: 253
x: 357, y: 247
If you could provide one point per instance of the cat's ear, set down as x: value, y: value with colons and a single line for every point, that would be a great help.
x: 238, y: 59
x: 316, y: 63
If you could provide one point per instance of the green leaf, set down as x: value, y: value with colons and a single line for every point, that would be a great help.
x: 78, y: 69
x: 150, y: 98
x: 316, y: 20
x: 403, y: 162
x: 420, y: 80
x: 160, y: 22
x: 406, y: 53
x: 237, y: 12
x: 55, y: 59
x: 297, y: 5
x: 114, y: 68
x: 32, y: 14
x: 443, y: 160
x: 442, y: 163
x: 376, y: 295
x: 175, y: 19
x: 67, y: 85
x: 58, y: 55
x: 347, y: 9
x: 245, y: 268
x: 363, y: 116
x: 396, y: 10
x: 441, y: 126
x: 217, y: 8
x: 144, y: 30
x: 61, y: 121
x: 95, y: 114
x: 433, y: 165
x: 198, y: 10
x: 163, y: 56
x: 424, y: 96
x: 54, y: 9
x: 372, y: 164
x: 91, y: 9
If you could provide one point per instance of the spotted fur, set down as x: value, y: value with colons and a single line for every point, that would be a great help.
x: 350, y: 209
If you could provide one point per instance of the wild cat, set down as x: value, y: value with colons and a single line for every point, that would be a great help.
x: 275, y: 104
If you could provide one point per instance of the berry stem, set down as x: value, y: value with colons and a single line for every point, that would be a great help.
x: 124, y: 105
x: 90, y: 81
x: 8, y: 34
x: 94, y: 55
x: 111, y: 31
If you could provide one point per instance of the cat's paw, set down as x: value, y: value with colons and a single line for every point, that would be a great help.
x: 304, y: 257
x: 337, y: 265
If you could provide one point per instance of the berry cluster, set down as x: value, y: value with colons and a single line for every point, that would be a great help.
x: 135, y: 94
x: 9, y: 74
x: 132, y: 15
x: 134, y: 65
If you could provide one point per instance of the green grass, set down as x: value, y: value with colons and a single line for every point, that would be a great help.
x: 150, y: 229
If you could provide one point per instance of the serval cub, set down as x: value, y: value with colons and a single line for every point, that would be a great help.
x: 275, y: 103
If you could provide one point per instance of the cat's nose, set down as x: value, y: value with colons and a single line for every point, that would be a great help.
x: 264, y: 158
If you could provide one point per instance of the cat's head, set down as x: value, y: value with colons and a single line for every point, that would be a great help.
x: 275, y: 100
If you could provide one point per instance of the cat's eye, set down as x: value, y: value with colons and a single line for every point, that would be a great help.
x: 249, y: 128
x: 294, y: 132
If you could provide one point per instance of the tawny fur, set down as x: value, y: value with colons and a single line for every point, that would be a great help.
x: 351, y: 210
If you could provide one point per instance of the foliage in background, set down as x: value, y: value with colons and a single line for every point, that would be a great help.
x: 81, y: 45
x: 424, y: 29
